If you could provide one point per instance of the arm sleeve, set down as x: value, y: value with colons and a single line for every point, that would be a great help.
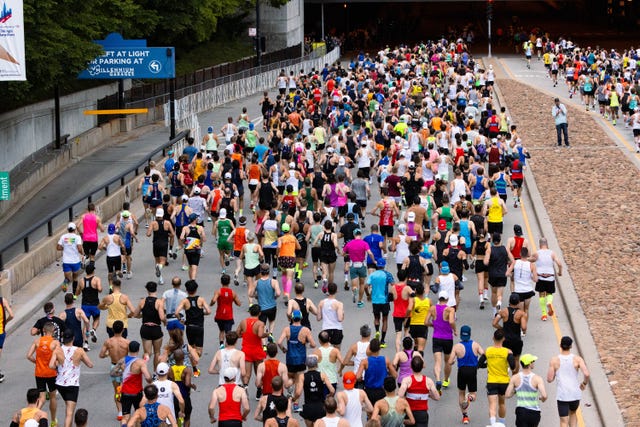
x: 512, y: 361
x: 482, y: 362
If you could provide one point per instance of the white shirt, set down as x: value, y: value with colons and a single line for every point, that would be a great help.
x: 165, y: 393
x: 69, y: 243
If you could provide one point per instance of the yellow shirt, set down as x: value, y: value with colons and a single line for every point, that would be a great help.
x: 497, y: 365
x: 117, y: 311
x: 495, y: 210
x: 420, y: 310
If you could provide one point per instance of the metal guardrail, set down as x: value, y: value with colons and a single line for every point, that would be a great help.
x: 88, y: 196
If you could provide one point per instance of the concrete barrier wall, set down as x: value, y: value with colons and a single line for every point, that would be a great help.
x: 28, y: 129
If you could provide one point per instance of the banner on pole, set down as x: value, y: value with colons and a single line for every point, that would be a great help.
x: 12, y: 56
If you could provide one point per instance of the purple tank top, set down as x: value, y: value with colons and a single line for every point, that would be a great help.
x: 441, y: 329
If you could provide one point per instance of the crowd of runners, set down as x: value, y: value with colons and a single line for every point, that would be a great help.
x: 283, y: 196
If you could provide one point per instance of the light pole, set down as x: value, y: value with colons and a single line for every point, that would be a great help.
x: 258, y: 41
x: 489, y: 18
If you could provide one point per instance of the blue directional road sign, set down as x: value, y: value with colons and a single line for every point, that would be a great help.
x: 130, y: 59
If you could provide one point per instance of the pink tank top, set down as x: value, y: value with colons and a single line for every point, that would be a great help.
x: 90, y: 228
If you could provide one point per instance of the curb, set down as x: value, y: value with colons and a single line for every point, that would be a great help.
x: 605, y: 403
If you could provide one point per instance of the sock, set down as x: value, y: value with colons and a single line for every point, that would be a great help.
x: 492, y: 420
x: 501, y: 420
x: 160, y: 266
x: 543, y: 305
x: 550, y: 299
x: 75, y: 286
x: 383, y: 335
x: 377, y: 328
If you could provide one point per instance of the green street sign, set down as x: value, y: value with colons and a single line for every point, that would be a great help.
x: 5, y: 188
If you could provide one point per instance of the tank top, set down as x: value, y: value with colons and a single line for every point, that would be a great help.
x: 224, y: 228
x: 419, y: 311
x: 251, y: 256
x: 404, y: 368
x: 544, y: 265
x: 515, y: 251
x: 113, y: 250
x: 386, y: 213
x: 296, y: 351
x: 478, y: 188
x: 495, y: 210
x: 266, y: 294
x: 178, y: 372
x: 415, y: 270
x: 327, y: 247
x: 501, y: 184
x: 313, y: 387
x: 441, y: 328
x: 418, y: 394
x: 269, y: 409
x: 446, y: 215
x: 230, y: 410
x: 353, y: 409
x: 68, y: 373
x: 331, y: 421
x: 325, y: 365
x: 192, y: 241
x: 288, y: 246
x: 89, y: 228
x: 402, y: 249
x: 194, y: 315
x: 497, y: 365
x: 375, y: 372
x: 117, y: 311
x: 526, y: 395
x: 302, y: 306
x: 392, y: 418
x: 89, y: 294
x: 361, y: 354
x: 239, y: 238
x: 72, y: 322
x: 465, y: 232
x: 511, y: 328
x: 251, y: 343
x: 27, y: 414
x: 165, y: 393
x: 567, y: 378
x: 448, y: 284
x: 498, y: 261
x: 226, y: 357
x: 224, y: 310
x: 181, y: 217
x: 522, y: 277
x: 469, y: 359
x: 150, y: 315
x: 330, y: 316
x: 270, y: 371
x: 43, y: 356
x: 160, y: 236
x: 399, y: 304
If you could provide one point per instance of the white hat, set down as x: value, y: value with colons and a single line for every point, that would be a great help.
x: 411, y: 216
x: 443, y: 295
x: 196, y: 190
x: 222, y: 213
x: 185, y: 197
x: 227, y: 175
x: 159, y: 213
x: 342, y: 161
x: 453, y: 240
x: 402, y: 228
x: 162, y: 369
x: 31, y: 423
x: 230, y: 373
x: 412, y: 165
x: 291, y: 165
x: 330, y: 150
x: 71, y: 226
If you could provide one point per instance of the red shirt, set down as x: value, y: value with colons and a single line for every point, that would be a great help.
x: 224, y: 311
x: 252, y: 344
x: 400, y: 305
x: 270, y: 371
x: 418, y: 394
x: 230, y: 409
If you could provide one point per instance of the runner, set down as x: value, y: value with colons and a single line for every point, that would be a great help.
x: 331, y: 419
x: 117, y: 305
x: 6, y: 315
x: 297, y: 337
x: 40, y: 354
x: 195, y: 308
x: 151, y: 311
x: 116, y: 348
x: 329, y: 359
x: 32, y: 412
x: 193, y: 238
x: 89, y: 224
x: 67, y: 359
x: 358, y: 250
x: 524, y: 276
x: 133, y: 370
x: 303, y: 304
x: 529, y: 390
x: 126, y: 227
x: 113, y: 245
x: 251, y: 254
x: 419, y: 306
x: 331, y: 313
x: 168, y: 391
x: 228, y: 356
x: 442, y: 318
x: 183, y: 375
x: 497, y: 259
x: 310, y: 383
x: 163, y: 232
x: 418, y: 389
x: 514, y: 325
x: 466, y: 352
x: 547, y: 263
x: 392, y: 409
x: 352, y: 402
x: 266, y: 292
x: 73, y: 318
x: 252, y: 331
x: 400, y: 294
x: 378, y: 283
x: 373, y: 370
x: 72, y: 252
x: 152, y: 413
x: 494, y: 209
x: 225, y: 297
x: 90, y: 289
x: 498, y: 360
x: 287, y: 245
x: 170, y: 300
x: 565, y: 368
x: 328, y: 241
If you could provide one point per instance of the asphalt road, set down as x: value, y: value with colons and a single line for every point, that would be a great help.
x: 96, y: 390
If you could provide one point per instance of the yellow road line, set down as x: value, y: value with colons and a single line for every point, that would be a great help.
x: 554, y: 319
x: 118, y: 111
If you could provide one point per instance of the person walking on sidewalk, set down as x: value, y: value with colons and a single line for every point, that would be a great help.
x: 559, y: 113
x: 565, y: 368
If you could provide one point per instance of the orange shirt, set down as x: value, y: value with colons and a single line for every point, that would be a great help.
x: 240, y: 238
x: 238, y: 157
x: 43, y: 356
x: 288, y: 246
x: 254, y: 172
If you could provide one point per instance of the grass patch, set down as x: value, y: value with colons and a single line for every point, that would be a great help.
x: 213, y: 53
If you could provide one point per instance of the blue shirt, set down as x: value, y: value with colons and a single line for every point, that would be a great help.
x: 470, y: 358
x: 296, y: 351
x: 190, y: 151
x: 266, y: 294
x: 260, y: 150
x: 374, y: 240
x: 379, y: 281
x: 376, y: 372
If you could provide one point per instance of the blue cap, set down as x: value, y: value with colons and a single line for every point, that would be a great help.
x: 465, y: 333
x: 251, y: 126
x: 210, y: 129
x: 444, y: 267
x: 111, y: 229
x: 381, y: 262
x: 296, y: 315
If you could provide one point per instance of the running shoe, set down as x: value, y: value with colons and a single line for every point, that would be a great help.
x: 65, y: 285
x: 1, y: 377
x: 157, y: 270
x: 470, y: 398
x: 383, y: 344
x: 465, y: 419
x: 221, y: 346
x: 325, y: 285
x: 498, y: 306
x: 92, y: 334
x: 550, y: 311
x: 196, y: 372
x: 544, y: 318
x: 119, y: 417
x: 346, y: 284
x: 258, y: 393
x: 377, y: 335
x: 185, y: 267
x: 315, y: 284
x: 54, y: 423
x: 439, y: 387
x: 174, y: 255
x: 85, y: 346
x: 445, y: 383
x: 161, y: 280
x: 296, y: 408
x: 226, y: 261
x: 235, y: 281
x: 129, y: 275
x: 360, y: 304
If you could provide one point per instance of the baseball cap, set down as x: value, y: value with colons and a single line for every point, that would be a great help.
x: 193, y: 217
x: 31, y: 423
x: 71, y: 226
x: 465, y: 333
x: 514, y: 299
x: 330, y: 150
x: 222, y: 213
x: 230, y: 373
x: 196, y: 190
x: 292, y: 165
x: 357, y: 232
x: 453, y: 240
x: 411, y: 216
x: 159, y: 213
x: 126, y: 214
x: 517, y: 230
x: 349, y: 380
x: 162, y: 369
x: 528, y: 359
x: 67, y: 334
x: 402, y: 228
x: 111, y: 229
x: 296, y: 315
x: 185, y: 197
x: 210, y: 129
x: 443, y: 295
x: 342, y: 161
x: 442, y: 224
x: 381, y: 262
x: 242, y: 221
x: 412, y: 165
x: 227, y: 175
x: 444, y: 267
x: 286, y: 227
